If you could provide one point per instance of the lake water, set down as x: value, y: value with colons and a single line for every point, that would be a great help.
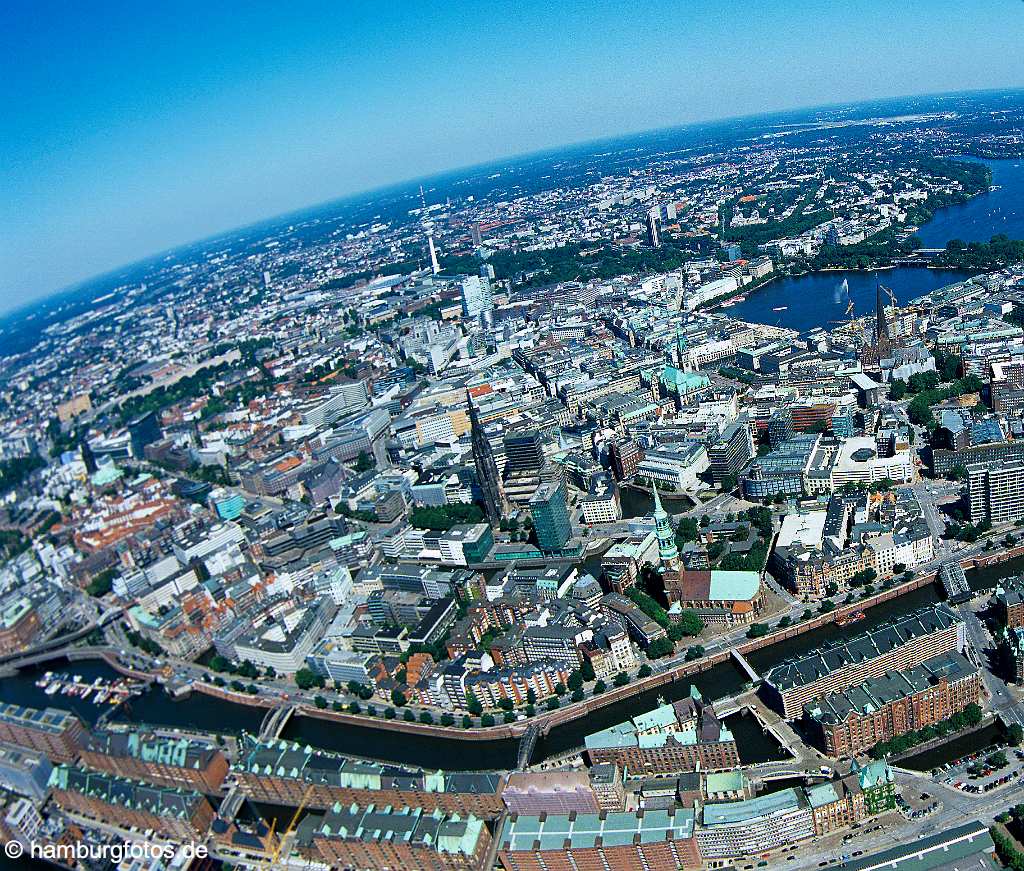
x: 820, y: 299
x: 998, y: 211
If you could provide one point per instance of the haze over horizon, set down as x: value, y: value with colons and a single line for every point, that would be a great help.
x: 132, y: 131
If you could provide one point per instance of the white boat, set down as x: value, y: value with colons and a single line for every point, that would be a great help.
x: 51, y: 689
x: 780, y: 308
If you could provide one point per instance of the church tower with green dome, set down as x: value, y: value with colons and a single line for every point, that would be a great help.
x: 667, y: 549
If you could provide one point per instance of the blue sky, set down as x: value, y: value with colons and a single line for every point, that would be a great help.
x: 128, y: 128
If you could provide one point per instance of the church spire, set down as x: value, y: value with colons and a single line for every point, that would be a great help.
x: 667, y: 550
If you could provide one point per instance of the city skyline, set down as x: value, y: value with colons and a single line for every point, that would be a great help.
x: 103, y: 172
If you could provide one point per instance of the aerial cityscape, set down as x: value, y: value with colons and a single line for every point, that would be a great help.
x: 652, y: 503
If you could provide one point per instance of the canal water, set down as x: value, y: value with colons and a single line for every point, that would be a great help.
x: 979, y: 219
x: 638, y: 503
x: 955, y: 748
x: 213, y: 715
x: 767, y: 657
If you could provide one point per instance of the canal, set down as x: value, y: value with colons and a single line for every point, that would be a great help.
x: 638, y: 503
x: 207, y: 714
x: 954, y: 748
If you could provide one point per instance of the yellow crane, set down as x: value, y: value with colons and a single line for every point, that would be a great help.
x: 291, y: 826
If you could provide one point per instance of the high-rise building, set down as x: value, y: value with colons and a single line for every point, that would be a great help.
x: 733, y: 450
x: 475, y: 234
x: 654, y: 228
x: 842, y: 421
x: 486, y: 469
x: 996, y: 492
x: 625, y: 456
x: 551, y: 516
x: 88, y: 457
x: 780, y: 428
x: 524, y: 450
x: 143, y: 431
x: 476, y: 296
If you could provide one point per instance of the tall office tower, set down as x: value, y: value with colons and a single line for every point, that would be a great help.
x: 475, y: 234
x: 733, y: 450
x: 780, y: 427
x: 266, y: 279
x: 524, y: 450
x: 996, y: 492
x: 625, y: 456
x: 670, y: 211
x: 842, y: 421
x: 487, y: 271
x: 486, y: 468
x: 88, y: 457
x: 551, y: 516
x: 654, y: 228
x: 667, y: 550
x: 476, y: 296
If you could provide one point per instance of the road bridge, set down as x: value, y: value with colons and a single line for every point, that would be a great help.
x: 527, y: 744
x: 744, y: 664
x: 274, y: 722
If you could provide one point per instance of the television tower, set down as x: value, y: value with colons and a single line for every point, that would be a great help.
x: 428, y: 228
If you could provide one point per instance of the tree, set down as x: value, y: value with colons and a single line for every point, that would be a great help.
x: 320, y: 702
x: 645, y: 671
x: 599, y: 688
x: 621, y: 679
x: 587, y: 670
x: 694, y: 652
x: 271, y: 672
x: 757, y: 630
x: 575, y: 680
x: 577, y: 695
x: 473, y: 704
x: 408, y: 715
x: 389, y: 713
x: 552, y: 703
x: 487, y: 720
x: 398, y: 697
x: 354, y: 708
x: 467, y: 721
x: 689, y: 623
x: 447, y: 719
x: 559, y: 689
x: 660, y: 647
x: 1014, y: 734
x: 531, y: 696
x: 784, y: 621
x: 506, y: 704
x: 364, y: 462
x: 426, y: 717
x: 305, y: 679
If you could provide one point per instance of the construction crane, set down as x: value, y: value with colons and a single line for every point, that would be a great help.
x: 287, y: 833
